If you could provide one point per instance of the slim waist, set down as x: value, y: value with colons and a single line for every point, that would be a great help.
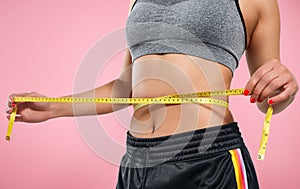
x: 183, y: 146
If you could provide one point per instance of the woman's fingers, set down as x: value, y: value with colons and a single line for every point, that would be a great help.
x: 271, y: 89
x: 265, y: 86
x: 17, y: 119
x: 288, y: 91
x: 272, y: 80
x: 11, y: 103
x: 258, y: 75
x: 8, y: 110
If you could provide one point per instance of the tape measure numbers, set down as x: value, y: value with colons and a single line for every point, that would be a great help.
x: 160, y: 100
x: 199, y: 97
x: 265, y: 134
x: 11, y: 122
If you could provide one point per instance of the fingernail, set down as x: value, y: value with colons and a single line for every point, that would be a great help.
x: 246, y: 92
x: 252, y: 100
x: 259, y: 100
x: 13, y: 105
x: 270, y: 102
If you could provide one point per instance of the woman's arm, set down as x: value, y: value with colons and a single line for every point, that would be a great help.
x: 120, y: 87
x: 37, y: 112
x: 271, y: 82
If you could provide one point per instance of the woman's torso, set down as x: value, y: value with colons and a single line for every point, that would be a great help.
x: 162, y: 74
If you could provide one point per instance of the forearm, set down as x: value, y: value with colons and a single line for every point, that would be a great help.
x: 113, y: 89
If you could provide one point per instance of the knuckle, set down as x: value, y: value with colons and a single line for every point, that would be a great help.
x: 255, y: 93
x: 284, y: 96
x: 274, y: 61
x: 265, y: 80
x: 11, y: 96
x: 264, y: 94
x: 271, y: 63
x: 283, y: 68
x: 272, y: 86
x: 258, y: 75
x: 250, y: 87
x: 33, y: 94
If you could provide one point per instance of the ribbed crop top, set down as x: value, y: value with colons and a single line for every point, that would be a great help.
x: 209, y: 29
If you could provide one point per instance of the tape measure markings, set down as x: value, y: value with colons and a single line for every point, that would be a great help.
x: 199, y: 97
x: 265, y: 134
x: 159, y: 100
x: 11, y: 123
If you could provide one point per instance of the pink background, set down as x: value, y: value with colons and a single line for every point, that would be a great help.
x: 42, y: 44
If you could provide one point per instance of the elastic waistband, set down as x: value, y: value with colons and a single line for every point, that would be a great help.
x: 184, y: 146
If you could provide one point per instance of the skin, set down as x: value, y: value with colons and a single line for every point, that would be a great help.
x: 270, y: 82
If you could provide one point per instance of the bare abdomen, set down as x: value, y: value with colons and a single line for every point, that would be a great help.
x: 160, y: 75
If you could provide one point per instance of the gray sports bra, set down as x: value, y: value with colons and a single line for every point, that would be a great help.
x: 210, y: 29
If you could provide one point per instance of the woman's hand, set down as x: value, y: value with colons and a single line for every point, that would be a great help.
x: 30, y: 112
x: 273, y: 82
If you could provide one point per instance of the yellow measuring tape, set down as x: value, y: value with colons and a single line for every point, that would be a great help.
x: 199, y: 97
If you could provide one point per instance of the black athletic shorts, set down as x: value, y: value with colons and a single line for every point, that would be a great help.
x: 211, y: 158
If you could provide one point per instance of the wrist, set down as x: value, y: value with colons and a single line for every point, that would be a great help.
x: 58, y: 109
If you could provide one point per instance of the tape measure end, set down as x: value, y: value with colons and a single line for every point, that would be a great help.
x: 7, y: 138
x: 260, y: 158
